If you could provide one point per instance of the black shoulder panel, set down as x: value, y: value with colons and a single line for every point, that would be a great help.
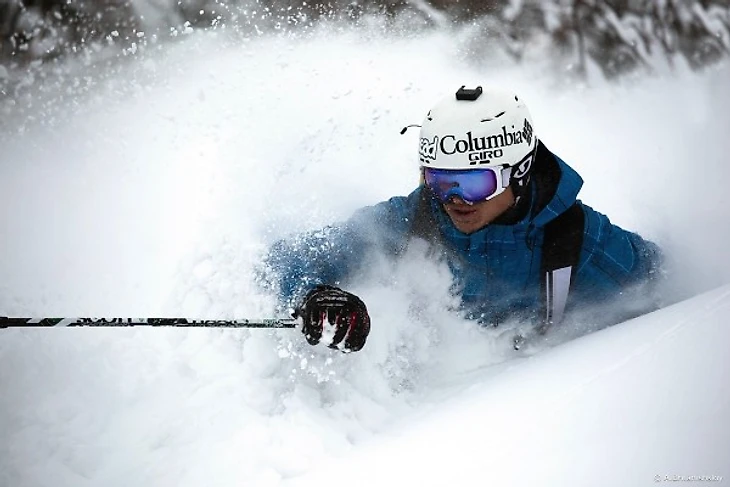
x: 563, y: 239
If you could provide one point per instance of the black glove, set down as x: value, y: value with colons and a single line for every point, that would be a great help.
x: 345, y: 311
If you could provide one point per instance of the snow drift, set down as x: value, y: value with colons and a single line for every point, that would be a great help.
x: 644, y: 401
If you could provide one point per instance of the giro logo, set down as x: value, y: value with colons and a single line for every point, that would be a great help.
x: 427, y: 150
x: 523, y: 168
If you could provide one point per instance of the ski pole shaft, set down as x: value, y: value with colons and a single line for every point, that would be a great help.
x: 9, y: 322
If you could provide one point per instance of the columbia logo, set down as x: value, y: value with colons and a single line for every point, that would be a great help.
x: 527, y: 132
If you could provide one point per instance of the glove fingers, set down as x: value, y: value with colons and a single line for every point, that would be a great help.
x: 353, y: 327
x: 358, y: 330
x: 333, y: 314
x: 342, y: 324
x: 313, y: 326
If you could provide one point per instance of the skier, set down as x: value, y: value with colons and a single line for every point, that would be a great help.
x: 497, y: 205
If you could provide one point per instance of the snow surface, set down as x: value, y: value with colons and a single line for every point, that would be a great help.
x: 155, y: 192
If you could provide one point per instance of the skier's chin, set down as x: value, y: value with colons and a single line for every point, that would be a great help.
x: 468, y: 227
x: 466, y: 219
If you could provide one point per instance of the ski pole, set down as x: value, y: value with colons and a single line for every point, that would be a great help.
x: 9, y: 322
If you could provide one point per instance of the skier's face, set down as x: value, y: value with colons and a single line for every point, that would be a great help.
x: 470, y: 218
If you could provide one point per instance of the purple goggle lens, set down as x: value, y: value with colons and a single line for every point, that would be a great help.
x: 471, y: 185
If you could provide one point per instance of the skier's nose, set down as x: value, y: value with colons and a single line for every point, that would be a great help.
x: 457, y: 200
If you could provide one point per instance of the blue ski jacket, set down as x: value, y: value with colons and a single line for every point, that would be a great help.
x: 496, y: 270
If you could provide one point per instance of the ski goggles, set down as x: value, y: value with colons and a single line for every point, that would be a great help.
x: 471, y: 185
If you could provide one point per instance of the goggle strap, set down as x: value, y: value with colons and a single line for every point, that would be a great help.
x: 506, y: 176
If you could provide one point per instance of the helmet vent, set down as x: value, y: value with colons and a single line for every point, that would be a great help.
x: 490, y: 119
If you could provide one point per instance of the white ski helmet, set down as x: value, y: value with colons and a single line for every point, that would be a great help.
x: 478, y: 128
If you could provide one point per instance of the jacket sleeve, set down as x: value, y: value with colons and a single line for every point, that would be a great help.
x: 614, y: 259
x: 336, y: 253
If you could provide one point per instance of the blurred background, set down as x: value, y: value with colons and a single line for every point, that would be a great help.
x: 583, y: 37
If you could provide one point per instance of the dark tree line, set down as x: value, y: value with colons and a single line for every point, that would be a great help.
x: 617, y: 36
x: 40, y: 29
